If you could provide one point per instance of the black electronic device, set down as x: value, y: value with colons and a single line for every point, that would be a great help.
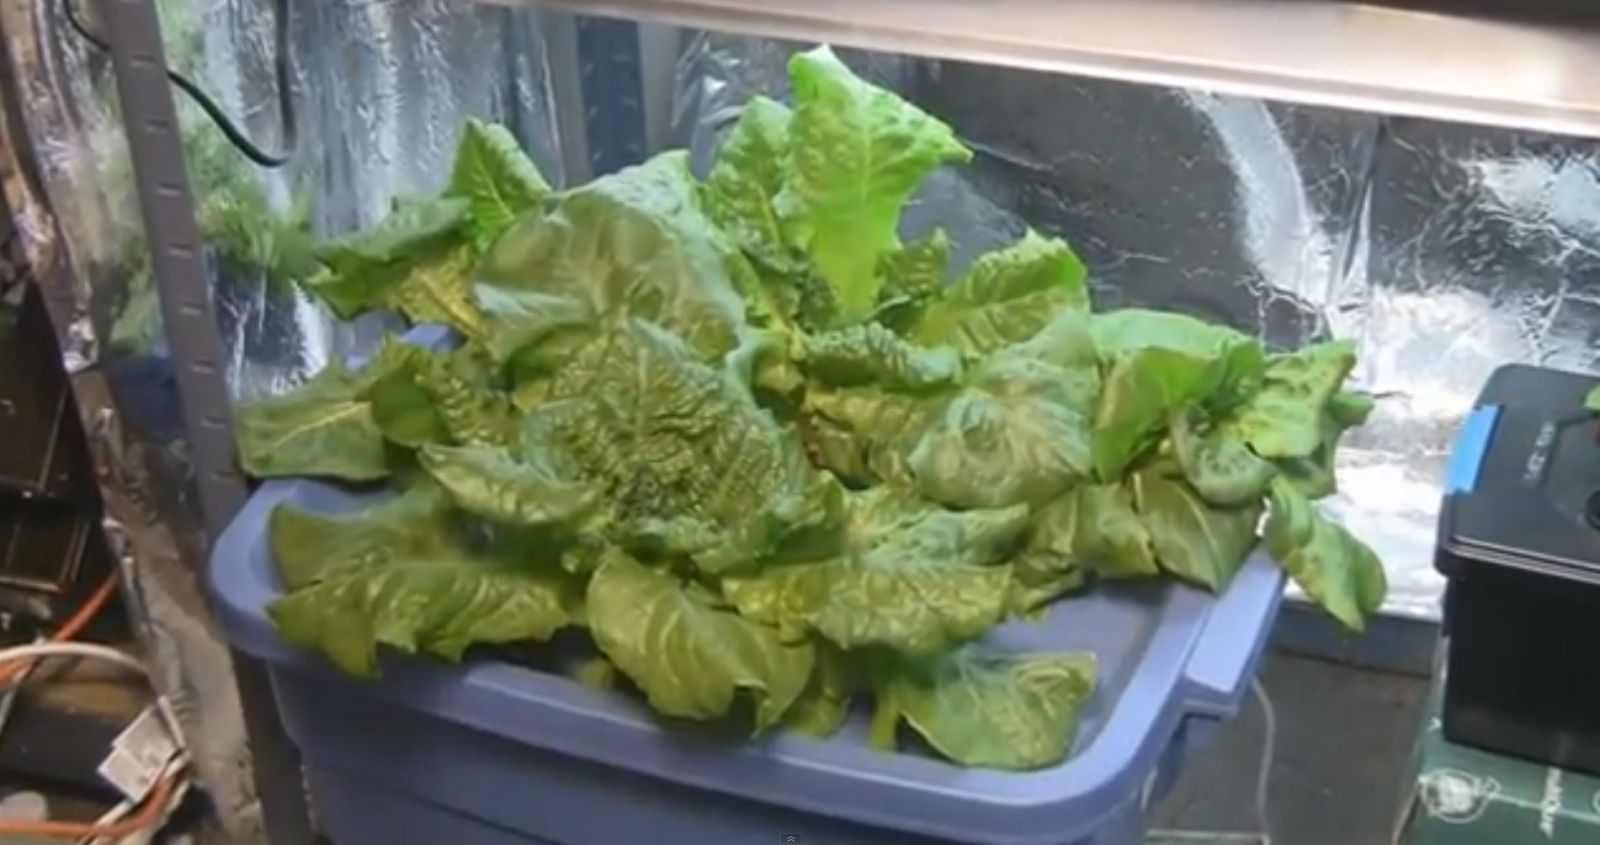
x: 1519, y: 541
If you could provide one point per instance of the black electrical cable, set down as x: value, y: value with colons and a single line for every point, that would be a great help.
x: 237, y: 138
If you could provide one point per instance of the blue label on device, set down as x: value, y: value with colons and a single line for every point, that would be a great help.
x: 1466, y: 454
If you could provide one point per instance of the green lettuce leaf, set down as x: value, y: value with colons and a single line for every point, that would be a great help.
x: 1158, y: 365
x: 305, y: 545
x: 1218, y: 463
x: 324, y: 427
x: 1192, y: 539
x: 690, y: 464
x: 1056, y: 557
x: 1017, y: 430
x: 1003, y: 711
x: 1285, y: 419
x: 908, y: 576
x: 635, y: 244
x: 742, y: 188
x: 416, y: 261
x: 531, y: 489
x: 865, y: 434
x: 447, y: 397
x: 823, y: 705
x: 1007, y: 296
x: 1591, y: 400
x: 857, y: 152
x: 367, y: 580
x: 1118, y: 541
x: 868, y: 353
x: 1335, y: 569
x: 1020, y: 432
x: 689, y: 656
x: 1313, y: 474
x: 496, y: 178
x: 916, y: 271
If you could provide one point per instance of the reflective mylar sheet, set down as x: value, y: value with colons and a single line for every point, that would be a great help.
x: 382, y: 87
x: 1444, y: 251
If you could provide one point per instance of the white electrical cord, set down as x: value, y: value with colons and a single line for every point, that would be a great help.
x: 37, y: 651
x: 118, y: 812
x: 8, y: 698
x: 1269, y: 745
x: 1268, y: 750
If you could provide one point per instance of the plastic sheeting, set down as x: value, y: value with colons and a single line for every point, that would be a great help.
x: 382, y: 88
x: 1444, y: 251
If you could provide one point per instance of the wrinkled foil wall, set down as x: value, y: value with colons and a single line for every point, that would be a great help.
x: 382, y: 88
x: 1443, y: 250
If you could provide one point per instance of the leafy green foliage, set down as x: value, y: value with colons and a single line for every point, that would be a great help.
x: 635, y: 244
x: 772, y: 460
x: 689, y: 655
x: 495, y: 178
x: 325, y: 428
x: 856, y: 154
x: 1006, y: 297
x: 403, y: 575
x: 906, y: 575
x: 1009, y: 711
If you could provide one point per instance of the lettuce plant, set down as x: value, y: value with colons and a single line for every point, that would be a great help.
x: 768, y: 458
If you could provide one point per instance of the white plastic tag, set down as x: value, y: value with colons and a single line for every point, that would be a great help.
x: 139, y: 755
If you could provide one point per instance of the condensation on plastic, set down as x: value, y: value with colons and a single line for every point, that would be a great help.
x: 1444, y: 251
x: 382, y: 89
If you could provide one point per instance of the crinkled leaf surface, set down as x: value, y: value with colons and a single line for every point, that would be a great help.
x: 1194, y: 540
x: 531, y: 489
x: 909, y: 576
x: 868, y: 353
x: 438, y: 290
x: 1150, y: 377
x: 1020, y: 432
x: 448, y: 397
x: 742, y: 188
x: 1285, y: 419
x: 414, y: 588
x: 865, y: 434
x: 1218, y: 463
x: 915, y: 272
x: 857, y: 152
x: 305, y: 544
x: 635, y: 244
x: 324, y: 427
x: 415, y: 260
x: 1005, y: 297
x: 1003, y: 711
x: 682, y: 452
x: 496, y: 178
x: 689, y: 656
x: 1335, y: 569
x: 1017, y: 430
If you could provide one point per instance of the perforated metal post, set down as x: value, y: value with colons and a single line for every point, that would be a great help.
x: 167, y: 207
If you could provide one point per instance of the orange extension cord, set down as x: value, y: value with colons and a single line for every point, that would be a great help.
x: 71, y: 628
x: 154, y: 803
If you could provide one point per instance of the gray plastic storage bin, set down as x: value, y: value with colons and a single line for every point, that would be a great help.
x: 492, y: 753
